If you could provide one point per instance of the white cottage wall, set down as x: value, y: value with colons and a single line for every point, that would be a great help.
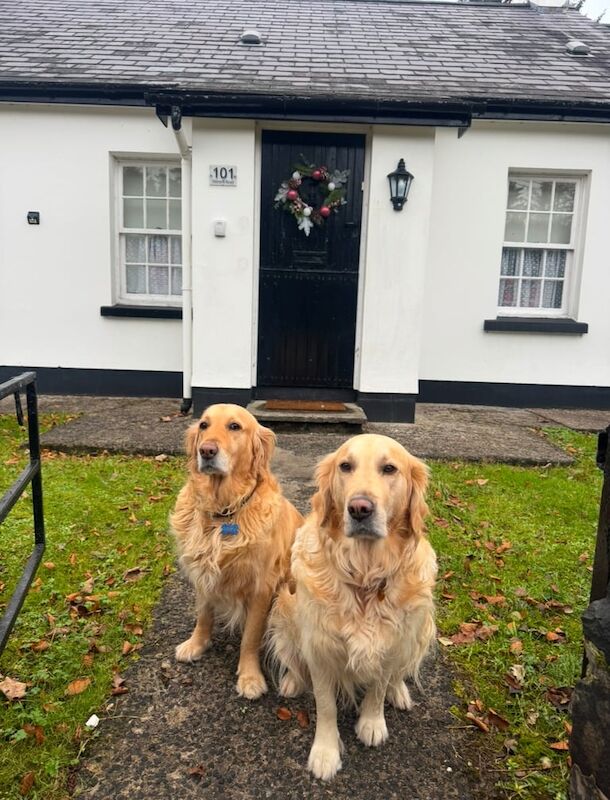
x: 394, y: 263
x: 463, y: 267
x: 55, y: 277
x: 223, y: 267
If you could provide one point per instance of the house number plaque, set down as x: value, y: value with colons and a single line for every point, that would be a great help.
x: 221, y: 175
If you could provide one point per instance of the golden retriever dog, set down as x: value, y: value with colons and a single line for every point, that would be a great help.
x: 234, y: 530
x: 360, y: 615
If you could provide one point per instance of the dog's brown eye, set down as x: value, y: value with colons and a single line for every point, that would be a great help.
x: 203, y: 426
x: 234, y: 426
x: 345, y: 466
x: 388, y: 469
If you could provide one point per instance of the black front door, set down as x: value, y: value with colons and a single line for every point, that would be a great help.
x: 309, y: 284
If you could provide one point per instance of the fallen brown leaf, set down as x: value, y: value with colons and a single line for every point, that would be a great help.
x: 497, y: 721
x: 12, y: 689
x: 562, y: 745
x: 40, y: 646
x: 49, y: 565
x: 284, y: 713
x: 127, y: 648
x: 481, y: 724
x: 35, y: 731
x: 198, y: 771
x: 78, y: 686
x: 559, y: 696
x: 303, y: 719
x: 516, y: 646
x: 26, y: 783
x: 502, y: 548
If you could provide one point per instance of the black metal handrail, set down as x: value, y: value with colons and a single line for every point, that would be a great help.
x: 31, y: 474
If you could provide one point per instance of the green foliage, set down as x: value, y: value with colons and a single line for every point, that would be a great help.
x: 516, y: 546
x: 104, y: 515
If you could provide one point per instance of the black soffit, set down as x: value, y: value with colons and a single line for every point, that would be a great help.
x: 451, y: 113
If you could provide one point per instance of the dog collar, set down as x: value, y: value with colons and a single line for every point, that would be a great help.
x: 231, y: 511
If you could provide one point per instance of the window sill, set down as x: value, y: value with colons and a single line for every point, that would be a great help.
x: 142, y: 312
x: 532, y: 325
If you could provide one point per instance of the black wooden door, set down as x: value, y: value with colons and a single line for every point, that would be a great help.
x: 308, y: 285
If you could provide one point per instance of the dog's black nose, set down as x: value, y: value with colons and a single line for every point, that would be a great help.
x: 360, y: 508
x: 208, y: 450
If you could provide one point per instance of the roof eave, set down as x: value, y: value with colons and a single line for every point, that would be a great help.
x: 448, y: 112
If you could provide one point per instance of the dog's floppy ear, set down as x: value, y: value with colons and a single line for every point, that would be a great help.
x: 417, y: 509
x: 263, y: 445
x: 190, y: 440
x: 322, y: 502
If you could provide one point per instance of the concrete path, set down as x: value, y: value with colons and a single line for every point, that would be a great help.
x: 471, y: 433
x: 181, y: 731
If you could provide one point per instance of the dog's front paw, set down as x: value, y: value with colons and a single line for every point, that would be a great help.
x: 399, y: 696
x: 372, y: 731
x: 324, y: 762
x: 291, y: 685
x: 191, y: 650
x: 251, y: 685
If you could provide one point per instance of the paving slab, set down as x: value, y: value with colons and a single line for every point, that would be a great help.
x: 578, y: 419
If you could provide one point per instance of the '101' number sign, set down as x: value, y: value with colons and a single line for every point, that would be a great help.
x: 223, y: 176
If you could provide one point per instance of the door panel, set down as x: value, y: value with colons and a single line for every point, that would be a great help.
x: 308, y: 285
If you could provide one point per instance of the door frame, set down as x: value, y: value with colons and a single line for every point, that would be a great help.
x: 310, y: 127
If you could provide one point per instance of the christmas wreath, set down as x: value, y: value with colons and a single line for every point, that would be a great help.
x: 332, y: 185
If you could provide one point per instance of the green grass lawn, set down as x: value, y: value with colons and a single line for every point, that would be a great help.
x: 515, y: 548
x: 104, y: 516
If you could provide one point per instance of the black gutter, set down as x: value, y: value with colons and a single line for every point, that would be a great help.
x: 457, y: 112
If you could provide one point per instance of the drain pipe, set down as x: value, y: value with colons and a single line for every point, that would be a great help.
x: 187, y: 265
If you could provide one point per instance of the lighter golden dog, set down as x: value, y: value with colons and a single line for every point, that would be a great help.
x: 234, y: 530
x: 359, y: 618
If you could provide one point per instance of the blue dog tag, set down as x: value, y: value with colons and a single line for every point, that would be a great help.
x: 229, y: 529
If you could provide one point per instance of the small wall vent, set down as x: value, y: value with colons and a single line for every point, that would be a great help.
x: 577, y: 48
x: 250, y: 36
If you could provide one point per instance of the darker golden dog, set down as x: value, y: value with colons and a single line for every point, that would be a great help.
x: 234, y: 530
x: 360, y: 616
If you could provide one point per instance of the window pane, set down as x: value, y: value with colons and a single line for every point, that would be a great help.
x: 156, y: 214
x: 515, y: 226
x: 561, y: 228
x: 564, y: 197
x: 555, y: 266
x: 532, y: 263
x: 508, y: 292
x: 176, y: 280
x: 552, y: 294
x: 133, y: 181
x: 158, y: 250
x: 530, y: 294
x: 175, y: 182
x: 158, y: 280
x: 518, y: 194
x: 510, y: 261
x: 176, y: 249
x: 133, y: 214
x: 541, y: 195
x: 537, y: 230
x: 135, y: 249
x: 156, y: 181
x: 175, y: 215
x: 136, y: 279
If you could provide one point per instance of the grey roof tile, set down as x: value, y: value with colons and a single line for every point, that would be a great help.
x: 392, y: 49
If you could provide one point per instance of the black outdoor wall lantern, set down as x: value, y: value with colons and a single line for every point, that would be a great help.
x: 400, y: 183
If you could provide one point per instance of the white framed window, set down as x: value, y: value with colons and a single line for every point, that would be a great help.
x: 539, y: 255
x: 149, y: 225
